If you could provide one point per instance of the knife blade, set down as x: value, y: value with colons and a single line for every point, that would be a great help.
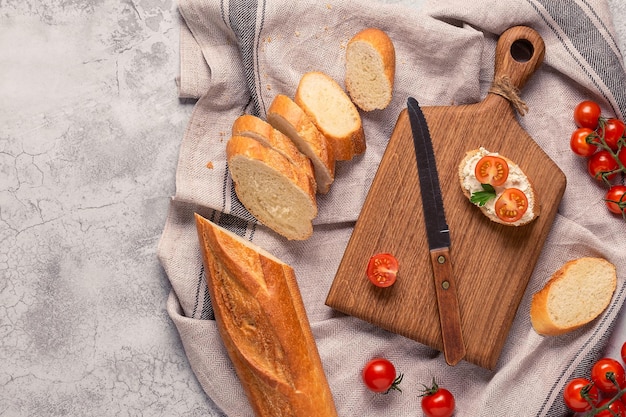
x: 438, y: 235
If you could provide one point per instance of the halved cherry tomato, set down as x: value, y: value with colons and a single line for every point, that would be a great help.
x: 575, y: 392
x: 600, y: 164
x: 491, y: 170
x: 615, y: 199
x: 602, y: 373
x: 613, y: 130
x: 586, y: 114
x: 379, y: 375
x: 382, y: 269
x: 578, y: 142
x: 511, y: 205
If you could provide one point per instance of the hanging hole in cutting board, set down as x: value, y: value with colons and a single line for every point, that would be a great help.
x: 522, y: 50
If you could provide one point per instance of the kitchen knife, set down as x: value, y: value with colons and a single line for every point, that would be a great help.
x: 438, y: 237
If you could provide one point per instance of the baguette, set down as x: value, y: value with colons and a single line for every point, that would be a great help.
x: 264, y: 327
x: 516, y: 179
x: 256, y: 128
x: 287, y: 117
x: 273, y: 190
x: 332, y: 112
x: 575, y: 295
x: 370, y: 69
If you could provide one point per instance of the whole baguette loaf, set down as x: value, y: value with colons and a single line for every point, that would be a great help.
x: 370, y: 69
x: 575, y: 295
x: 256, y: 128
x: 271, y: 188
x: 517, y: 179
x: 332, y: 112
x: 264, y: 326
x: 287, y: 117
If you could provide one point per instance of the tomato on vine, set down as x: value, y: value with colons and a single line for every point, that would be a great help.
x: 612, y: 130
x: 615, y: 409
x: 580, y: 394
x: 579, y: 144
x: 379, y: 375
x: 608, y: 375
x: 602, y: 166
x: 437, y: 402
x: 623, y: 352
x: 586, y: 114
x: 615, y: 199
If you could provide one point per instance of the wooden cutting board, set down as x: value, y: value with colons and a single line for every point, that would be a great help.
x: 492, y: 263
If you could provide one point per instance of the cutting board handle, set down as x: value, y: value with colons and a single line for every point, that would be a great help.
x: 519, y: 52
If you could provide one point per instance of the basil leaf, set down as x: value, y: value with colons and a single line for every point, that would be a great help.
x: 481, y: 197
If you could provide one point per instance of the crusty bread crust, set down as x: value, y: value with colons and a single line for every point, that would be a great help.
x: 256, y: 128
x: 287, y: 117
x: 263, y: 324
x: 599, y: 284
x: 381, y: 51
x: 268, y: 186
x: 491, y: 216
x: 333, y: 113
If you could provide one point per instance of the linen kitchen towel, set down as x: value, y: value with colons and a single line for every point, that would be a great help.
x: 237, y: 55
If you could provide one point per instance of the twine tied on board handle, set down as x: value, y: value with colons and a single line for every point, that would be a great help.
x: 503, y: 87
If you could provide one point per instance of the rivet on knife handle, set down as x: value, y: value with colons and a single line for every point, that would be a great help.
x: 448, y: 305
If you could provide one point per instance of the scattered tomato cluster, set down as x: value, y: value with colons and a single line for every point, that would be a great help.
x: 603, y: 394
x: 379, y: 375
x: 602, y: 141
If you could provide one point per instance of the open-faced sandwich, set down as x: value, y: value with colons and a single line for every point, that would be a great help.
x: 499, y: 187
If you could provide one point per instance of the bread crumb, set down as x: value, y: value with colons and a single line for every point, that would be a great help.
x: 297, y: 34
x: 329, y: 6
x: 209, y: 165
x: 269, y: 87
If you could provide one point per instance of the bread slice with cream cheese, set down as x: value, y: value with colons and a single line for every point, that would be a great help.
x: 516, y: 179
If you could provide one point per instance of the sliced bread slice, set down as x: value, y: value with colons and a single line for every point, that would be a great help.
x: 370, y: 69
x: 575, y: 295
x: 256, y: 128
x: 272, y: 189
x: 287, y: 117
x: 332, y: 112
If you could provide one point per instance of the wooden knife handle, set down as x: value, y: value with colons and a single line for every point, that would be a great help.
x: 448, y: 305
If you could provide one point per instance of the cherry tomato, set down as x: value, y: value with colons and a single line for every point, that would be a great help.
x: 379, y: 375
x: 606, y: 369
x: 511, y: 205
x: 575, y: 392
x: 382, y: 269
x: 615, y: 199
x: 491, y: 170
x: 578, y: 142
x: 437, y: 402
x: 618, y: 409
x: 600, y: 163
x: 613, y: 130
x: 586, y: 114
x: 623, y: 352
